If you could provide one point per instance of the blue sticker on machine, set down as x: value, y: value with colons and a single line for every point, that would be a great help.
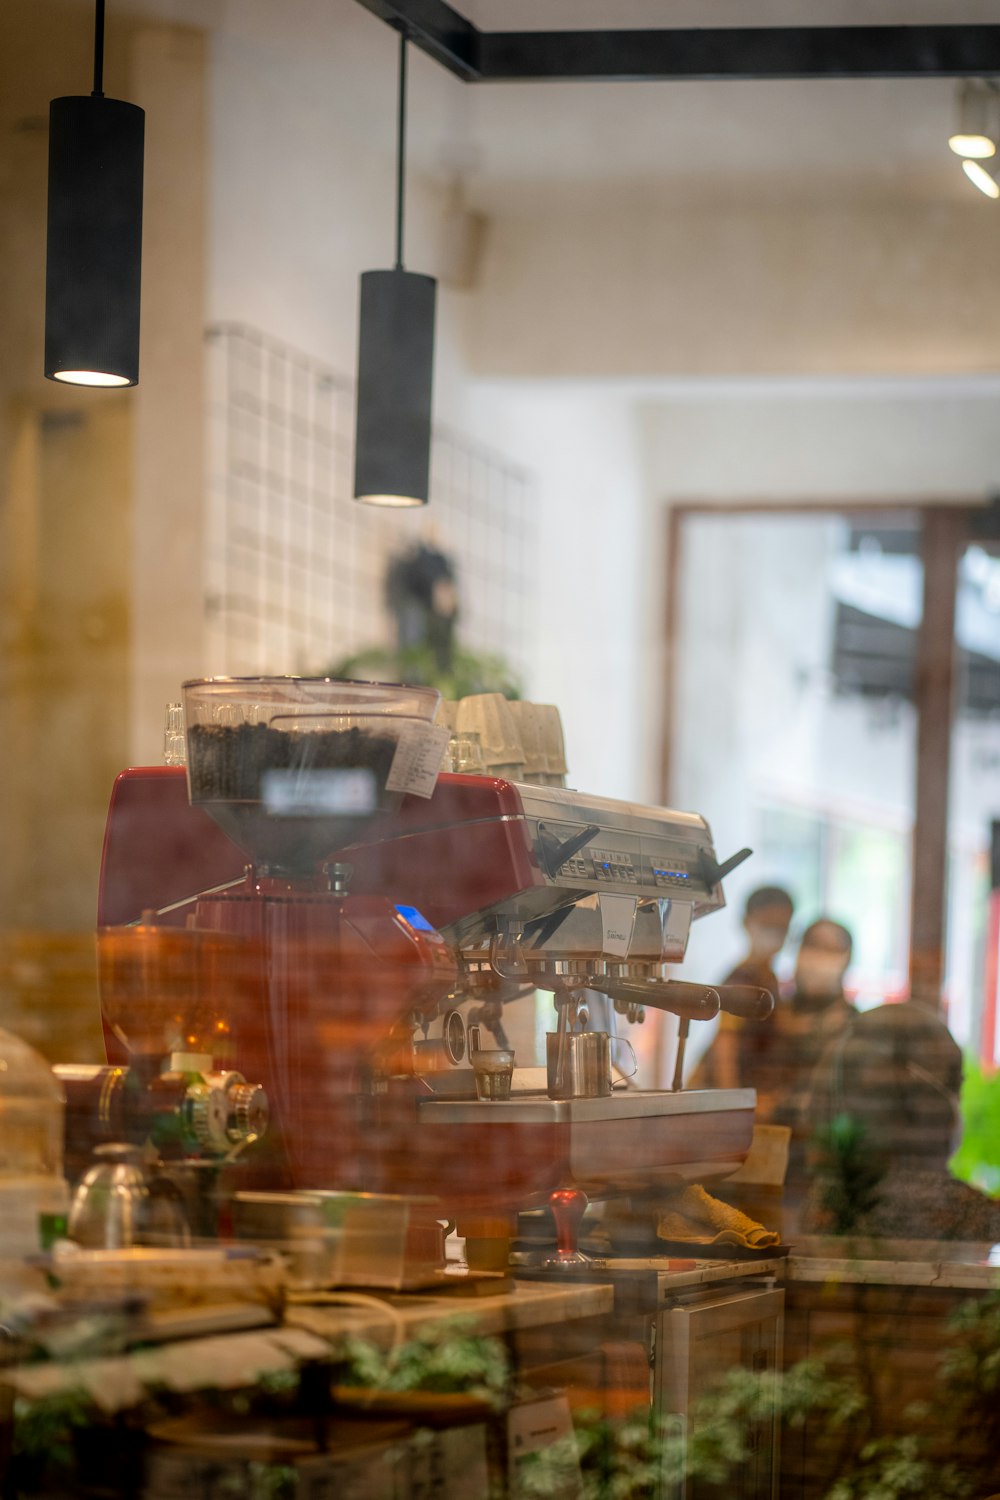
x: 414, y: 918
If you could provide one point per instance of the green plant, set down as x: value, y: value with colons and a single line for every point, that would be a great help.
x: 977, y: 1159
x: 849, y: 1173
x: 897, y: 1467
x: 258, y: 1481
x: 954, y: 1459
x: 466, y: 672
x: 273, y: 1395
x: 628, y: 1458
x: 447, y: 1358
x: 43, y: 1429
x: 43, y: 1443
x: 970, y: 1378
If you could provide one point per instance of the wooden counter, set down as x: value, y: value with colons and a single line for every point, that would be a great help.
x: 914, y: 1263
x: 230, y: 1361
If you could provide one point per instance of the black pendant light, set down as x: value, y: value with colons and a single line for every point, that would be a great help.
x: 94, y: 251
x: 392, y: 451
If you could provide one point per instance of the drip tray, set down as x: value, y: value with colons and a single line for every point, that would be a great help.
x: 630, y: 1104
x: 512, y: 1153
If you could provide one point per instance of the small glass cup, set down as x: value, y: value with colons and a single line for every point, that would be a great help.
x: 465, y: 754
x: 494, y: 1070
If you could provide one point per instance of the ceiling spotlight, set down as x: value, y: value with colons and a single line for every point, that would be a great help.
x: 984, y: 179
x: 978, y: 121
x: 392, y: 443
x: 94, y: 246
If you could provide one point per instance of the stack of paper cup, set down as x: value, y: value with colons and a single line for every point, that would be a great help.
x: 529, y: 727
x: 488, y: 715
x: 447, y: 713
x: 553, y: 745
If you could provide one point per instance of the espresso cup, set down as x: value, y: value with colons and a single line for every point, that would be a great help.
x: 494, y: 1070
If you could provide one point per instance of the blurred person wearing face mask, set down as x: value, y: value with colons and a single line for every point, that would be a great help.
x: 823, y: 957
x: 766, y: 919
x: 778, y: 1055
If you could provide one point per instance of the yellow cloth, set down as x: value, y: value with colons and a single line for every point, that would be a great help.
x: 692, y: 1214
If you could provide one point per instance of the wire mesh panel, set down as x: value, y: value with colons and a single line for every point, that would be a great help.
x: 295, y: 567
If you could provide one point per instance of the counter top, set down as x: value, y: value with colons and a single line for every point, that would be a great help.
x: 674, y: 1273
x: 525, y: 1305
x: 912, y: 1263
x: 313, y: 1330
x: 924, y: 1263
x: 231, y: 1361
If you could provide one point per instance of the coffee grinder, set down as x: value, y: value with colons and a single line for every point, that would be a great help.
x: 293, y: 770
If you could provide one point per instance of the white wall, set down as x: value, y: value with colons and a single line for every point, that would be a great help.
x: 645, y: 285
x: 590, y: 605
x: 303, y: 189
x: 168, y: 74
x: 899, y: 439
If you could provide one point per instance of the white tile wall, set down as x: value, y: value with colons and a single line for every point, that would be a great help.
x: 295, y: 565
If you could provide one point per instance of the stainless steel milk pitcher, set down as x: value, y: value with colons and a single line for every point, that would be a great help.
x: 578, y: 1064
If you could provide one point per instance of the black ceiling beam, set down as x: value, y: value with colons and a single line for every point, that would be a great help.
x: 744, y: 52
x: 707, y: 54
x: 436, y: 29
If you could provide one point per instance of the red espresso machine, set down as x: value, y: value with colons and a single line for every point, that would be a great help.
x: 375, y: 922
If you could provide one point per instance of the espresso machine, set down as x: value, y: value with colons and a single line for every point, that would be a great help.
x: 373, y: 909
x: 545, y: 888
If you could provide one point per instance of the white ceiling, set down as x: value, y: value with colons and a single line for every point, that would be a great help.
x: 703, y: 141
x: 761, y: 140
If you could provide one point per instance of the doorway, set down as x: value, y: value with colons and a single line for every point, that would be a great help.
x: 820, y: 719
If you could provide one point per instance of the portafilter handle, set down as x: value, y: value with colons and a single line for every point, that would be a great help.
x: 748, y: 1001
x: 692, y: 1002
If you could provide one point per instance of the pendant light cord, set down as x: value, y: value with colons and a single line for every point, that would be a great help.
x: 98, y: 92
x: 400, y: 151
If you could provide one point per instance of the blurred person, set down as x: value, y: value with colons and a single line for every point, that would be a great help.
x: 767, y: 916
x: 778, y: 1056
x: 895, y: 1073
